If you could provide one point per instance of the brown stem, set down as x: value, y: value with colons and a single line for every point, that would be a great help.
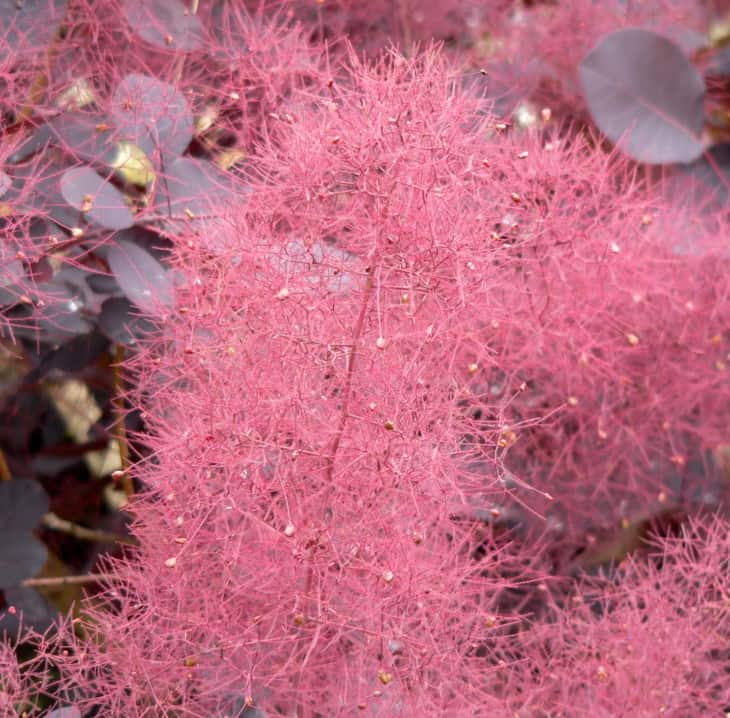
x: 56, y: 523
x: 120, y: 432
x: 55, y: 581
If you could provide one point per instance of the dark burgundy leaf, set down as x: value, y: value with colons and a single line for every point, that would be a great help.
x: 153, y: 115
x: 72, y: 356
x: 99, y: 201
x: 59, y: 317
x: 142, y: 278
x: 12, y: 281
x: 42, y: 193
x: 503, y: 87
x: 121, y: 322
x: 167, y: 24
x: 35, y: 610
x: 38, y: 138
x: 710, y: 178
x: 21, y: 556
x: 102, y: 284
x: 87, y: 136
x: 29, y: 25
x: 23, y: 503
x: 191, y: 194
x: 643, y: 92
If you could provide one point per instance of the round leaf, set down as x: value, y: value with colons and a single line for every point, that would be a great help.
x: 21, y: 556
x: 29, y: 25
x: 141, y: 277
x: 61, y: 315
x: 102, y: 284
x: 23, y: 503
x: 85, y: 134
x: 190, y: 195
x: 120, y: 322
x: 73, y: 355
x: 153, y: 115
x: 167, y: 24
x: 88, y: 192
x: 34, y: 609
x: 44, y: 196
x: 641, y: 90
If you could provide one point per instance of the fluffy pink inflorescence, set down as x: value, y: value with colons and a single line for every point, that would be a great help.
x: 310, y: 443
x: 653, y: 643
x: 410, y: 303
x: 418, y: 328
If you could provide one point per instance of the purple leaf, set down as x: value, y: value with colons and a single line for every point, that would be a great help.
x: 719, y: 65
x: 122, y: 323
x: 12, y: 281
x: 86, y: 135
x: 35, y: 610
x: 29, y: 25
x: 72, y: 356
x: 142, y: 278
x: 23, y: 503
x: 21, y: 556
x: 643, y: 92
x: 91, y: 194
x: 153, y: 115
x: 166, y: 24
x: 190, y: 196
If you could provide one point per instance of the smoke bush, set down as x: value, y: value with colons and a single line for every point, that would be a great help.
x: 417, y: 356
x: 393, y: 317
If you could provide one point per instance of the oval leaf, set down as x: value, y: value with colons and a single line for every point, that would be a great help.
x: 190, y: 196
x: 167, y: 24
x: 120, y: 322
x: 23, y: 503
x: 22, y: 555
x: 73, y: 355
x: 153, y: 115
x: 641, y: 90
x: 33, y: 608
x: 91, y: 194
x: 29, y: 25
x: 142, y: 278
x: 61, y: 314
x: 87, y: 135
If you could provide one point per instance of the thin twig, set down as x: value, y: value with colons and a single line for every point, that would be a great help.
x: 56, y: 523
x: 120, y: 432
x: 55, y: 581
